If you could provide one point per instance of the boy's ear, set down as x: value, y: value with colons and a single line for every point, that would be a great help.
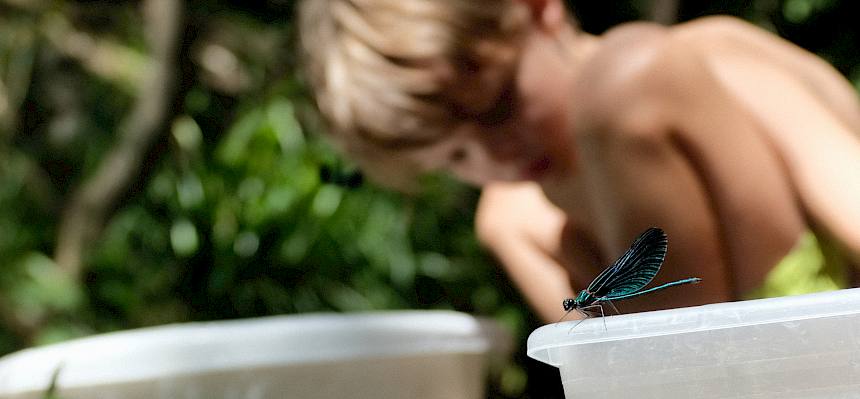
x: 548, y: 14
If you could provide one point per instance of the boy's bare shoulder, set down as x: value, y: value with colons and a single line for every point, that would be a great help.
x: 630, y: 49
x: 634, y: 63
x: 720, y: 25
x: 624, y: 51
x: 641, y: 67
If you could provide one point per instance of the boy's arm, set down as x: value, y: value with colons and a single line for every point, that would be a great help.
x: 822, y: 156
x: 814, y: 113
x: 524, y: 231
x: 821, y: 153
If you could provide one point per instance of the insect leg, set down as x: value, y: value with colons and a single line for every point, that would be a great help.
x: 585, y: 316
x: 563, y: 316
x: 587, y: 313
x: 603, y: 317
x: 602, y: 314
x: 613, y: 307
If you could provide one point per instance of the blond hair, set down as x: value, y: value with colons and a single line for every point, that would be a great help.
x: 378, y: 69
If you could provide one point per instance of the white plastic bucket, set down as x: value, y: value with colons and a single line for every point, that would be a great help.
x: 417, y: 354
x: 805, y: 346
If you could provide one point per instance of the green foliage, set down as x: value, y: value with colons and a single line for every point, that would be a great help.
x: 257, y: 231
x: 799, y: 11
x: 268, y: 220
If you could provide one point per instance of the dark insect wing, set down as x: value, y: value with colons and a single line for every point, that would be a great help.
x: 599, y: 284
x: 635, y: 269
x: 638, y: 266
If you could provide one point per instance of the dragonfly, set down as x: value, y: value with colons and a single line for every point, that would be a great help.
x: 626, y: 277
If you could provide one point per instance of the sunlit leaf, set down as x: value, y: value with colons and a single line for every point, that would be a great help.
x: 44, y: 287
x: 187, y: 133
x: 434, y: 264
x: 189, y: 191
x: 234, y: 148
x: 798, y: 11
x: 226, y: 224
x: 183, y: 237
x: 281, y: 117
x: 246, y: 244
x: 326, y: 201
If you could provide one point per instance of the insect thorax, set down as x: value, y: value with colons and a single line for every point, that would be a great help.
x: 584, y: 299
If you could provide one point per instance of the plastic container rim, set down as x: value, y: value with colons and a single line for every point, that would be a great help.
x: 694, y: 319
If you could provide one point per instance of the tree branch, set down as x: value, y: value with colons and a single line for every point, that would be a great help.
x: 15, y: 74
x: 92, y: 202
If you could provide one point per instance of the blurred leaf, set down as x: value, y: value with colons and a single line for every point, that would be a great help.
x: 226, y: 224
x: 281, y: 117
x: 326, y: 201
x: 44, y: 288
x: 435, y: 265
x: 799, y: 11
x: 187, y: 133
x: 234, y: 149
x: 486, y: 298
x: 246, y: 244
x: 183, y: 237
x: 347, y: 299
x: 59, y: 331
x: 296, y: 246
x: 190, y: 191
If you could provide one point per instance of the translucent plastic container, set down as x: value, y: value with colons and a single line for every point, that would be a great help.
x: 805, y: 346
x: 378, y: 355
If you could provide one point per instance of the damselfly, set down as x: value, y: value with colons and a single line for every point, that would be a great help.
x: 626, y: 277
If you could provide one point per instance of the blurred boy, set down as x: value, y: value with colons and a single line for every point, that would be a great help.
x: 739, y: 144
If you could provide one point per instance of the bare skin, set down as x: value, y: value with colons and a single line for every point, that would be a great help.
x: 731, y: 139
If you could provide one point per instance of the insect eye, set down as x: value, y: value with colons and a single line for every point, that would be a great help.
x: 567, y: 304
